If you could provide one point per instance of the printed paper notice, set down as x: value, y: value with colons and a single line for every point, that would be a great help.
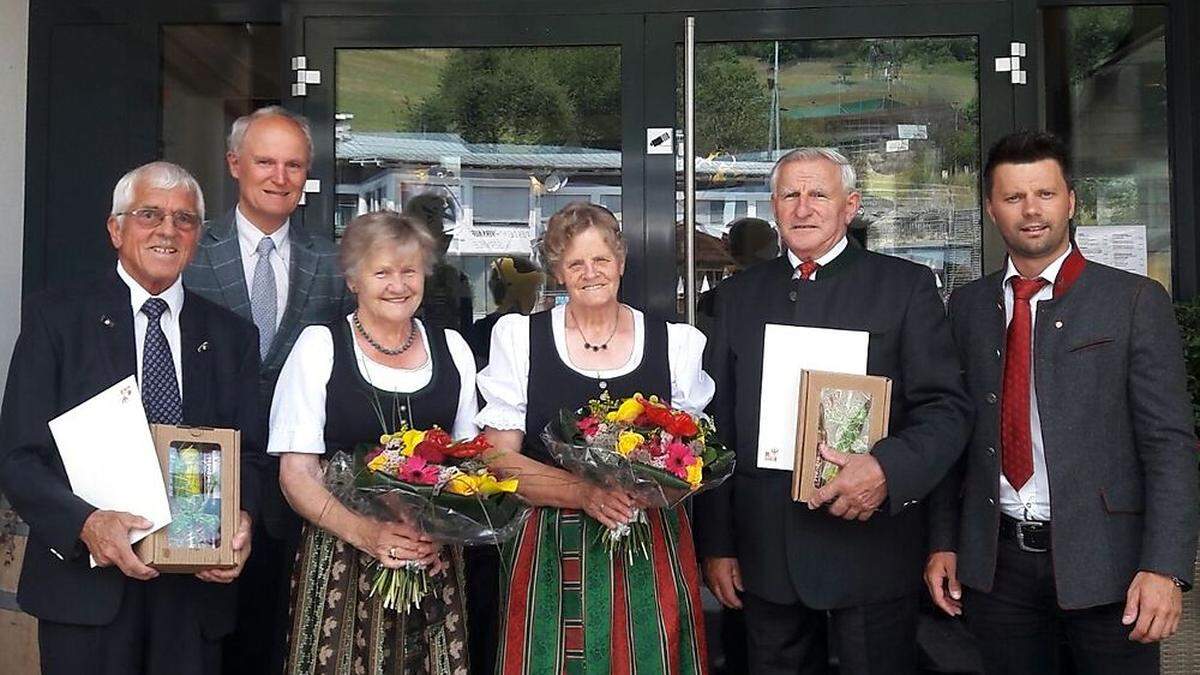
x: 1120, y: 246
x: 787, y: 352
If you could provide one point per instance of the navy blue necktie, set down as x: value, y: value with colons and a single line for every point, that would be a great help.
x: 160, y: 389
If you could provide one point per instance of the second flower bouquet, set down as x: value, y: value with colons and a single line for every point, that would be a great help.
x: 660, y: 454
x: 440, y: 486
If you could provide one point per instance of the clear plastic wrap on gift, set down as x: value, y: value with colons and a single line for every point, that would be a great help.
x: 598, y: 460
x: 468, y: 520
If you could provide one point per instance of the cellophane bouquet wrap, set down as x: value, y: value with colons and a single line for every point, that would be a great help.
x: 427, y: 480
x: 660, y: 454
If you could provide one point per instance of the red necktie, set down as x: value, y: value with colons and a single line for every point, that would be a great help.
x: 1016, y: 443
x: 806, y: 269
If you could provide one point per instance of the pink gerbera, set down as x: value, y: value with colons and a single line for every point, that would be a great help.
x: 679, y: 458
x: 416, y: 470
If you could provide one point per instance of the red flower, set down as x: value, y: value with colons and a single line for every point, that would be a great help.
x: 467, y: 449
x: 682, y: 424
x: 437, y: 437
x: 430, y: 451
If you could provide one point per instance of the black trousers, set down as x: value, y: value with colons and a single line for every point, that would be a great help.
x: 154, y: 633
x: 874, y: 639
x: 1020, y: 627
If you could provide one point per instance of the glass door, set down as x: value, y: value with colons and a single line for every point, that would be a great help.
x: 913, y: 103
x: 482, y: 127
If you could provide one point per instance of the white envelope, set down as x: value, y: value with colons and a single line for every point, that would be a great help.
x: 109, y: 455
x: 787, y: 351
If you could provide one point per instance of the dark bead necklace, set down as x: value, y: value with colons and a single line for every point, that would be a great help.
x: 412, y: 333
x: 602, y: 345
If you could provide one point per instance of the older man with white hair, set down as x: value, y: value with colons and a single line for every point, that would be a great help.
x: 196, y: 364
x: 857, y: 550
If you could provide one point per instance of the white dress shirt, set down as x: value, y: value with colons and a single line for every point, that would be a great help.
x: 822, y: 261
x: 1032, y: 501
x: 248, y: 238
x: 505, y: 380
x: 298, y: 408
x: 169, y: 321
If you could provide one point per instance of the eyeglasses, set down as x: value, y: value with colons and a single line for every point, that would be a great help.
x: 151, y: 217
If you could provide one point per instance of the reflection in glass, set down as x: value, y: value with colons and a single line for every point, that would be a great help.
x: 211, y: 75
x: 1106, y: 95
x: 905, y: 111
x: 483, y: 145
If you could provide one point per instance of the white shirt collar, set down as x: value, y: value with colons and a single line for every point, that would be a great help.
x: 249, y: 235
x: 1050, y: 274
x: 139, y: 295
x: 823, y: 260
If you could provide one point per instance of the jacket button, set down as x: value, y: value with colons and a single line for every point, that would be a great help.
x: 991, y: 502
x: 997, y: 353
x: 991, y: 397
x: 991, y: 450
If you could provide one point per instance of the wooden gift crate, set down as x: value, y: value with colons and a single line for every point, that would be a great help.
x: 201, y: 470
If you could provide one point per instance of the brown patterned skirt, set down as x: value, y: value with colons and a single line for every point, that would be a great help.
x: 337, y: 629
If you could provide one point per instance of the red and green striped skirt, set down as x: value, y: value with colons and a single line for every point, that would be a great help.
x: 571, y: 608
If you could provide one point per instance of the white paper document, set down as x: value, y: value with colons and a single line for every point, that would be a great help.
x: 109, y: 455
x: 1120, y: 246
x: 787, y: 352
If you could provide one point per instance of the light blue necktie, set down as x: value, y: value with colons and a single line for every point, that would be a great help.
x: 263, y: 296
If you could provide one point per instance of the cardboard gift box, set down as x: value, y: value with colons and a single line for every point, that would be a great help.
x: 200, y: 467
x: 848, y: 413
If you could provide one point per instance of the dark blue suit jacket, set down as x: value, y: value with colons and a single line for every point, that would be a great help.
x: 74, y: 343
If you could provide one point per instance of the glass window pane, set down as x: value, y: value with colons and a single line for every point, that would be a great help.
x: 1106, y: 95
x: 212, y: 74
x: 488, y: 143
x: 906, y: 113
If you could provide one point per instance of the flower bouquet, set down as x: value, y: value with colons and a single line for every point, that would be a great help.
x: 428, y: 480
x: 658, y: 453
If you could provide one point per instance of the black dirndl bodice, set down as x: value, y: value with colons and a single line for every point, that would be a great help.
x: 352, y: 403
x: 553, y: 385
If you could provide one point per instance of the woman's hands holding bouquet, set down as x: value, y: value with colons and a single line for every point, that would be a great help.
x: 612, y: 507
x: 395, y: 544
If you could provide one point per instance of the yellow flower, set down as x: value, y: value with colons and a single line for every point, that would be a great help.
x: 410, y: 439
x: 378, y: 462
x: 628, y: 411
x: 385, y: 439
x: 694, y: 472
x: 628, y: 441
x: 484, y: 484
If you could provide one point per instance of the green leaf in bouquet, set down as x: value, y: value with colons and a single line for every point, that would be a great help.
x: 720, y: 463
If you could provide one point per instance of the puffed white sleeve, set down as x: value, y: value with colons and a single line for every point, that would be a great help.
x: 468, y: 401
x: 691, y: 387
x: 503, y: 382
x: 298, y: 407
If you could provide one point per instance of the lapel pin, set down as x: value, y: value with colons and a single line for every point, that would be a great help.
x: 106, y: 321
x: 203, y: 346
x: 1058, y: 324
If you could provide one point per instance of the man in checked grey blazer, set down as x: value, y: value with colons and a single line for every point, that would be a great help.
x: 259, y: 264
x: 1073, y: 512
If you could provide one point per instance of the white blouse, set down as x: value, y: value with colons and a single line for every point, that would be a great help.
x: 298, y: 408
x: 503, y: 382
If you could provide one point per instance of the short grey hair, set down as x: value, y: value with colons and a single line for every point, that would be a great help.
x: 155, y: 175
x: 849, y: 177
x: 368, y: 231
x: 237, y: 132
